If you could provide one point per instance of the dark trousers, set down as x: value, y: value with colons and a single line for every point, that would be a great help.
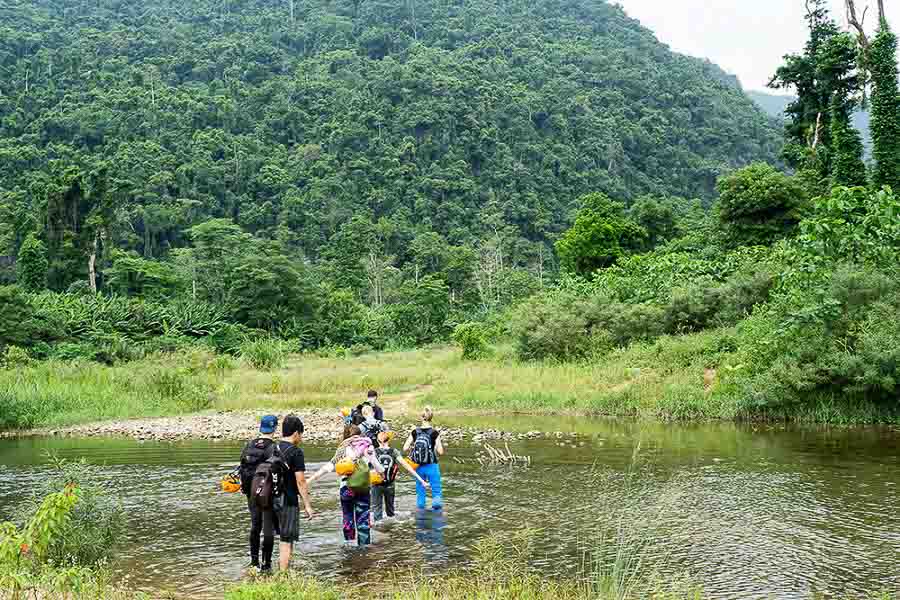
x: 356, y: 516
x: 261, y: 522
x: 383, y: 500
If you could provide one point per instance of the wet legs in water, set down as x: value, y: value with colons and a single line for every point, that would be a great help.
x: 261, y: 522
x: 432, y: 474
x: 383, y: 500
x: 430, y: 525
x: 356, y: 517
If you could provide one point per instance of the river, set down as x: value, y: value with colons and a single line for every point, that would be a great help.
x: 745, y: 511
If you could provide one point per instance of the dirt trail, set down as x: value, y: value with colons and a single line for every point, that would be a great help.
x: 405, y: 403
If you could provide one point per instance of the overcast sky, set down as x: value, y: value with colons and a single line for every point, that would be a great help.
x: 745, y: 37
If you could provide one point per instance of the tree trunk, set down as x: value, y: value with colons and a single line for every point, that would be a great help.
x: 858, y: 24
x: 817, y: 132
x: 92, y: 264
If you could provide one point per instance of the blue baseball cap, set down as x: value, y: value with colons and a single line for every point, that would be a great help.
x: 268, y: 424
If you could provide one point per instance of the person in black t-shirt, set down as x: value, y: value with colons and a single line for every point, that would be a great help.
x: 424, y: 446
x: 372, y: 400
x: 295, y: 487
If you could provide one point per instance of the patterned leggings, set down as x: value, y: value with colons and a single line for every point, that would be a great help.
x: 356, y: 516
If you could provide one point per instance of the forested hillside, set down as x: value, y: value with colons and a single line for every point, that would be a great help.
x: 123, y: 125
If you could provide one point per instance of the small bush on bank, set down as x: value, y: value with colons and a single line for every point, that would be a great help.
x: 14, y: 357
x: 551, y: 326
x: 472, y: 338
x: 264, y: 354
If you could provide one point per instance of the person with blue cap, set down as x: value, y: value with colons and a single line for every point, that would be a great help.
x: 256, y: 452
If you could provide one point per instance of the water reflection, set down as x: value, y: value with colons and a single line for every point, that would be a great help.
x: 748, y: 512
x: 430, y: 526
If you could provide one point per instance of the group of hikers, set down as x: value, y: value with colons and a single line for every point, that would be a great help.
x: 273, y: 477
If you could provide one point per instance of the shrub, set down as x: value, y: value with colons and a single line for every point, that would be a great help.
x: 472, y: 338
x: 264, y: 354
x: 90, y: 535
x: 73, y: 351
x: 627, y: 323
x: 551, y: 326
x: 691, y: 309
x: 14, y: 357
x: 837, y: 340
x: 759, y: 204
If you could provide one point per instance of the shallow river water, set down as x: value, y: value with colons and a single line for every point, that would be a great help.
x: 744, y: 511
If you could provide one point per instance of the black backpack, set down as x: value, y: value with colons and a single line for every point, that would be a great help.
x: 267, y: 489
x: 387, y: 458
x: 423, y: 448
x: 356, y: 416
x: 254, y: 454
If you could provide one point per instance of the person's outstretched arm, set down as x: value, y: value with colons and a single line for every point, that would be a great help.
x: 323, y: 470
x: 414, y: 474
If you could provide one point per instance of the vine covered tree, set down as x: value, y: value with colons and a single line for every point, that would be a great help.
x: 885, y: 108
x: 838, y: 66
x: 32, y: 264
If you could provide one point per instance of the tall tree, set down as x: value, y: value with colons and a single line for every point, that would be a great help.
x: 808, y: 129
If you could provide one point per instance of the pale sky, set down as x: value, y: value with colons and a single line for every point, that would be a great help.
x: 745, y: 37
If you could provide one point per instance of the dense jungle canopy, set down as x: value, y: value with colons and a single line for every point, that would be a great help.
x: 124, y: 124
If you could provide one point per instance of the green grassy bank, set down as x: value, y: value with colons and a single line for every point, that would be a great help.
x: 457, y: 586
x: 672, y: 378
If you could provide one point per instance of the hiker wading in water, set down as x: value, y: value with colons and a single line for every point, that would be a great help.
x: 354, y: 462
x: 262, y: 521
x: 424, y: 447
x: 294, y: 487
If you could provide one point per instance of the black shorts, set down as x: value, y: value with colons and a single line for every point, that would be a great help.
x: 289, y: 523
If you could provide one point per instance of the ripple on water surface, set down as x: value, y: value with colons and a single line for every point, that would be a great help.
x: 745, y: 513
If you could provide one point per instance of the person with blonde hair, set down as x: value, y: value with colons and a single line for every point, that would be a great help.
x: 371, y: 426
x: 424, y: 446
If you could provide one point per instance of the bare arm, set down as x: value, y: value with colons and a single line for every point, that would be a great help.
x: 439, y: 446
x: 303, y: 487
x: 323, y: 470
x: 408, y: 444
x: 413, y: 473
